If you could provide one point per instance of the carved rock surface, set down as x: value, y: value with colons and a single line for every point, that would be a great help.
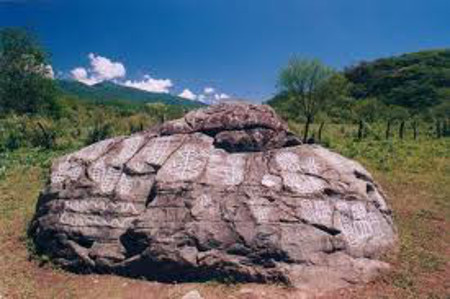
x: 225, y: 192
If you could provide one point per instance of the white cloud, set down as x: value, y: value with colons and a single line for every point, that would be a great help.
x: 187, y: 94
x: 101, y: 69
x: 151, y: 84
x: 210, y: 96
x: 208, y: 90
x: 104, y: 69
x: 202, y: 98
x: 221, y: 96
x: 80, y: 74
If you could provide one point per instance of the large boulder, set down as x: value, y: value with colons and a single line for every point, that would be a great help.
x: 224, y: 193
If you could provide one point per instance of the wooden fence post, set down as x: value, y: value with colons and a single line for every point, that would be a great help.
x: 306, y: 132
x: 401, y: 129
x: 438, y: 129
x: 444, y: 128
x: 360, y: 129
x: 319, y: 134
x: 415, y: 132
x: 388, y: 129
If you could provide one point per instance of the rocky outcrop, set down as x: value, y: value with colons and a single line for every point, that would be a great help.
x: 225, y: 192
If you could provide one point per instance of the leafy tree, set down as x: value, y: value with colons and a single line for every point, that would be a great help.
x: 337, y: 90
x: 306, y: 84
x: 442, y: 111
x: 396, y: 113
x: 283, y: 104
x: 25, y: 83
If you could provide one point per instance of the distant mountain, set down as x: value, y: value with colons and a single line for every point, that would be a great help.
x: 413, y: 80
x: 108, y: 91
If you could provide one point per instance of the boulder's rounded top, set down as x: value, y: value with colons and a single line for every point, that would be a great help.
x: 226, y: 117
x: 235, y: 116
x: 236, y: 127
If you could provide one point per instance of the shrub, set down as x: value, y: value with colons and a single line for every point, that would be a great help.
x: 42, y: 134
x: 99, y: 132
x: 12, y: 132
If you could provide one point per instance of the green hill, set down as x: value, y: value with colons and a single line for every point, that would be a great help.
x: 415, y: 80
x: 108, y: 91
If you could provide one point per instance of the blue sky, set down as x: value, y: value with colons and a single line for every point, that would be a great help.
x: 235, y: 47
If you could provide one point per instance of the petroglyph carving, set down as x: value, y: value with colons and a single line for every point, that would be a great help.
x: 317, y: 211
x: 227, y: 169
x: 291, y: 162
x: 97, y: 170
x: 309, y: 165
x: 94, y: 221
x: 189, y: 161
x: 170, y: 215
x: 158, y: 150
x: 66, y: 170
x: 109, y: 180
x: 356, y: 232
x: 186, y: 164
x: 358, y: 211
x: 302, y: 184
x: 105, y: 176
x: 128, y: 148
x: 357, y: 224
x: 98, y: 205
x: 235, y: 169
x: 125, y: 186
x: 288, y: 161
